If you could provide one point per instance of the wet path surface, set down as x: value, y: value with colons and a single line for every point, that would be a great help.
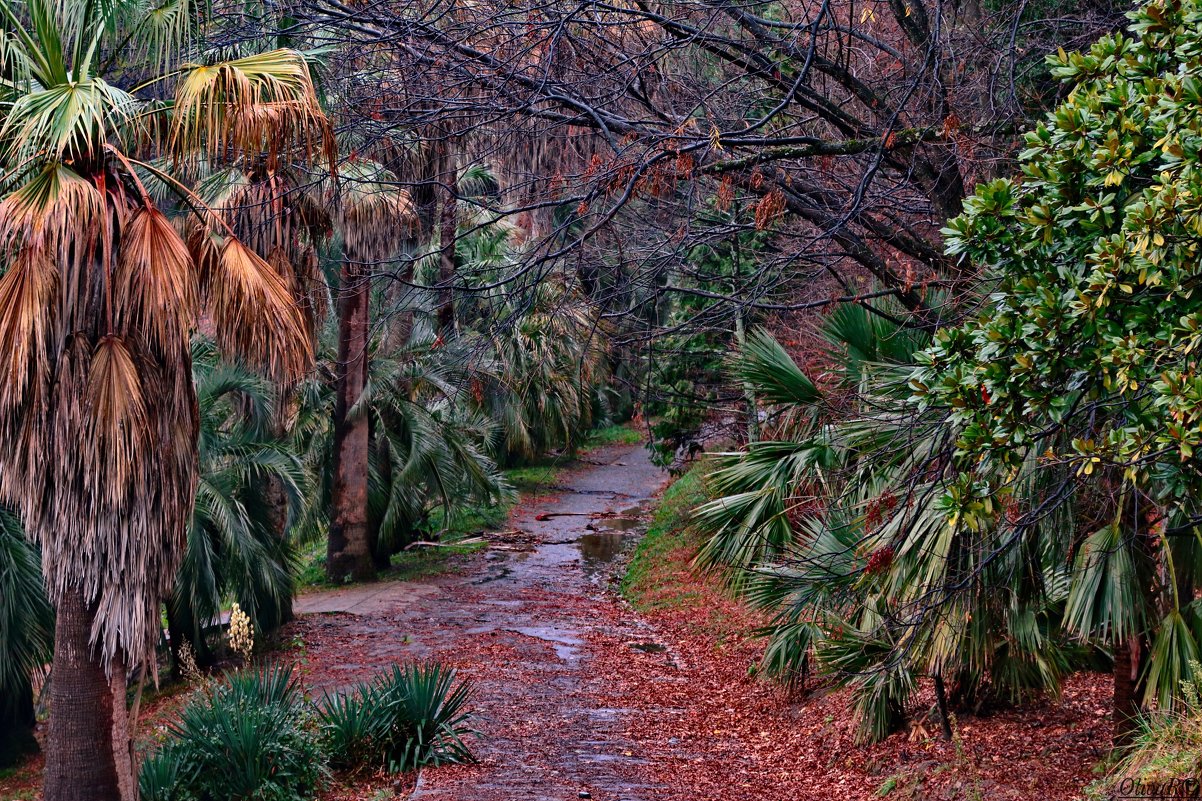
x: 525, y: 621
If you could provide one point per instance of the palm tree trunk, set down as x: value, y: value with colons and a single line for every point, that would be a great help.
x: 1128, y: 688
x: 277, y: 501
x: 85, y: 716
x: 350, y: 547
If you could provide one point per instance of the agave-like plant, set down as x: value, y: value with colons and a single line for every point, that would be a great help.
x: 98, y: 299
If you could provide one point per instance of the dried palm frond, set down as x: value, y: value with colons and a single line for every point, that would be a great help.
x: 27, y: 304
x: 56, y: 211
x: 375, y: 214
x: 155, y: 283
x: 254, y: 315
x: 260, y: 104
x: 118, y: 417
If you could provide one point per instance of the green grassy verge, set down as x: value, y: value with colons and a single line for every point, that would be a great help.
x: 643, y: 584
x: 621, y: 434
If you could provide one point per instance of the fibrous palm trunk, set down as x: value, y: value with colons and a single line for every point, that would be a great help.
x: 85, y: 701
x: 1128, y: 689
x: 350, y: 546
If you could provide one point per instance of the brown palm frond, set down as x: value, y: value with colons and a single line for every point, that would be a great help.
x: 118, y: 417
x: 254, y: 315
x: 205, y: 246
x: 56, y: 211
x: 156, y: 284
x: 374, y: 214
x: 27, y: 302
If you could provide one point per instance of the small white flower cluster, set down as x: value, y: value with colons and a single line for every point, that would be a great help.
x: 242, y: 637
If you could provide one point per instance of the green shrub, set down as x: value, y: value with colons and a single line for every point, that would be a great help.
x: 412, y: 716
x: 252, y: 737
x: 1166, y: 748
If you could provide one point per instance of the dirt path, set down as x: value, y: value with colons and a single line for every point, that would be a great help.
x: 525, y: 623
x: 579, y: 696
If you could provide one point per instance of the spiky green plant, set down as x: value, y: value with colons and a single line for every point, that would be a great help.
x: 26, y: 635
x: 413, y: 715
x: 839, y: 530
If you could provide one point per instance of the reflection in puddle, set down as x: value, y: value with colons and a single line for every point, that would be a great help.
x: 600, y: 547
x: 608, y: 538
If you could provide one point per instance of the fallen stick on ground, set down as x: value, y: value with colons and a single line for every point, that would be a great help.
x: 429, y: 544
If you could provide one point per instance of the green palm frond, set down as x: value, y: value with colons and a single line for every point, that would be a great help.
x: 1105, y: 599
x: 771, y: 372
x: 26, y: 619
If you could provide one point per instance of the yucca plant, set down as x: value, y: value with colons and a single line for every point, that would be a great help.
x: 413, y: 715
x: 250, y: 737
x: 99, y: 296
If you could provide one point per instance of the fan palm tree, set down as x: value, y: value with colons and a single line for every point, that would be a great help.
x: 430, y: 448
x: 373, y: 220
x: 544, y: 339
x: 99, y: 296
x: 836, y: 528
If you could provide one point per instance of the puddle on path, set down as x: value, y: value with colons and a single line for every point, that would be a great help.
x: 565, y: 642
x: 609, y: 538
x: 599, y: 548
x: 504, y: 572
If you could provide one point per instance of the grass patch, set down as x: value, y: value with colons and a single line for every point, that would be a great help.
x: 533, y: 479
x: 424, y: 562
x: 644, y: 585
x: 612, y: 435
x: 405, y: 566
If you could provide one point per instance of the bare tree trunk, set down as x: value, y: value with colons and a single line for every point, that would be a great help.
x: 350, y: 546
x: 83, y: 761
x: 448, y: 224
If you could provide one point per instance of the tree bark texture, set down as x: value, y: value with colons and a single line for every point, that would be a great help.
x: 350, y: 547
x: 87, y: 746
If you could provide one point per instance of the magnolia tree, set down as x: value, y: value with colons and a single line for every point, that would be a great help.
x: 1082, y: 359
